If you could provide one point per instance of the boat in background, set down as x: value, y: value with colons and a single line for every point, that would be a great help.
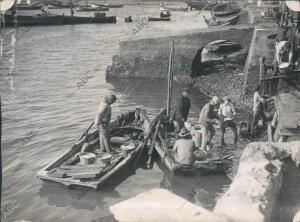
x: 156, y: 19
x: 172, y: 8
x: 128, y: 19
x: 223, y: 10
x: 36, y: 20
x: 222, y: 22
x: 222, y: 46
x: 53, y: 4
x: 109, y: 5
x: 29, y: 7
x: 49, y: 19
x: 197, y: 5
x: 85, y: 165
x: 91, y: 8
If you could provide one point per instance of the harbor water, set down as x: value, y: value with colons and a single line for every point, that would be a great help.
x: 47, y: 106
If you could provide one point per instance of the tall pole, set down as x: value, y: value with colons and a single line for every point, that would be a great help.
x: 170, y: 79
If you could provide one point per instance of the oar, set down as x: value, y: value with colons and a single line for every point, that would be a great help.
x: 151, y: 149
x: 153, y: 124
x: 85, y: 133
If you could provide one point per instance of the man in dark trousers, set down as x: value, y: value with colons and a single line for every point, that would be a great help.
x: 181, y: 110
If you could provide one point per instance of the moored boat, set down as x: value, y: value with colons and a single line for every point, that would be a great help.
x: 173, y: 8
x: 28, y: 7
x: 197, y: 5
x: 109, y: 5
x: 222, y: 22
x: 41, y: 20
x: 91, y: 168
x: 154, y: 19
x: 58, y: 5
x: 222, y: 46
x: 223, y: 10
x: 91, y: 8
x: 129, y: 19
x: 211, y: 162
x: 36, y: 20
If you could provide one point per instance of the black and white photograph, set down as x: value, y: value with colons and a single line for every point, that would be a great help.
x: 150, y: 110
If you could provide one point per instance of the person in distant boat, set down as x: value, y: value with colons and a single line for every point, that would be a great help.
x: 181, y: 110
x: 184, y: 148
x: 226, y: 113
x: 102, y: 121
x: 207, y: 118
x: 44, y: 9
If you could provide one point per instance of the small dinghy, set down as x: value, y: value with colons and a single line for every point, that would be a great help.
x: 222, y: 46
x: 109, y: 5
x: 84, y: 164
x: 129, y: 19
x: 173, y: 8
x: 91, y: 8
x: 156, y: 19
x: 222, y: 22
x: 223, y: 10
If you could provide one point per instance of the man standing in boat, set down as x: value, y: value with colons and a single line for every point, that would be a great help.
x: 102, y: 121
x: 207, y: 118
x: 181, y: 110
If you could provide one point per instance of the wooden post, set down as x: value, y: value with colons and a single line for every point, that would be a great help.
x: 262, y: 72
x: 170, y: 80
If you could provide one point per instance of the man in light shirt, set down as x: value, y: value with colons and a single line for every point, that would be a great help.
x: 226, y: 113
x: 102, y: 121
x: 258, y: 109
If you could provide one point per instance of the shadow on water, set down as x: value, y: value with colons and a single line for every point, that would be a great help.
x: 86, y: 198
x: 202, y: 190
x: 152, y: 93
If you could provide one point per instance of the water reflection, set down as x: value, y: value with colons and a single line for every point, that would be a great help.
x: 203, y: 191
x: 152, y: 93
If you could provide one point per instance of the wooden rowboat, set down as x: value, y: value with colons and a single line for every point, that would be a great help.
x: 222, y: 46
x: 128, y: 130
x: 224, y: 22
x: 155, y: 19
x: 91, y: 9
x: 212, y: 162
x: 109, y: 5
x: 223, y: 10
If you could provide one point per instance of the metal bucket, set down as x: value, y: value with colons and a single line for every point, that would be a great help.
x: 245, y: 129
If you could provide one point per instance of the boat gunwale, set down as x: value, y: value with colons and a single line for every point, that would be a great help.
x: 42, y: 174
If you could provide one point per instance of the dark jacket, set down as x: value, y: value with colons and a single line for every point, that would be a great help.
x: 181, y: 109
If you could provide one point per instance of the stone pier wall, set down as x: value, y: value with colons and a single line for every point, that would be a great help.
x: 250, y: 198
x: 148, y: 57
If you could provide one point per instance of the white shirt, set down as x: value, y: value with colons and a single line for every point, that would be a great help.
x: 257, y: 98
x: 227, y: 111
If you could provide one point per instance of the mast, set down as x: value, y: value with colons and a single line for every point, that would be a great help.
x: 170, y: 79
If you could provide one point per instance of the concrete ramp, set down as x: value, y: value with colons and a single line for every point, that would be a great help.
x: 160, y: 205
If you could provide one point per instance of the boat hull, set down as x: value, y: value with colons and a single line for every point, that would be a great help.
x: 156, y: 19
x: 29, y: 7
x: 198, y: 5
x: 205, y: 168
x: 55, y: 20
x: 225, y: 10
x: 231, y: 21
x: 65, y: 163
x: 91, y: 9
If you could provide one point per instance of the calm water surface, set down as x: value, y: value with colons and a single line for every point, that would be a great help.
x: 44, y: 113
